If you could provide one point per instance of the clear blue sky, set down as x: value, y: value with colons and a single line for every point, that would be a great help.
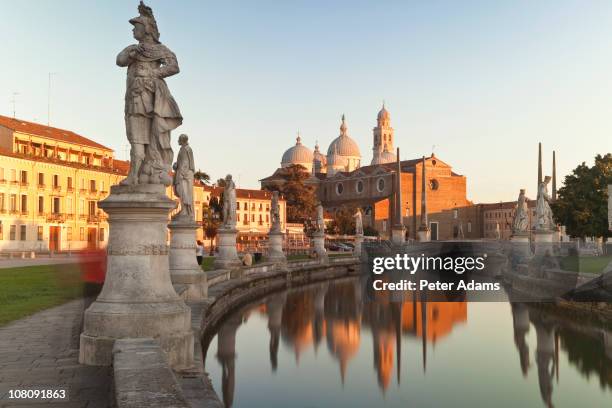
x: 483, y: 81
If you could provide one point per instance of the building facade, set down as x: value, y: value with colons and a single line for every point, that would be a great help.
x: 50, y: 182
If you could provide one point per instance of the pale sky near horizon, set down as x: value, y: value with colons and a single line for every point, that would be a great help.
x: 483, y: 81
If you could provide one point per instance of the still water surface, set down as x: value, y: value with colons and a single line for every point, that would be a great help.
x: 327, y: 345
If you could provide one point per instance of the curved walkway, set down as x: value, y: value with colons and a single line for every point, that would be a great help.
x: 43, y: 350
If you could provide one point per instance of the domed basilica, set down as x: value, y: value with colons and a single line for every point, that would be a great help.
x: 341, y: 180
x: 343, y: 153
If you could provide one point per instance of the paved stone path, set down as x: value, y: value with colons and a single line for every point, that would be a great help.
x: 42, y: 350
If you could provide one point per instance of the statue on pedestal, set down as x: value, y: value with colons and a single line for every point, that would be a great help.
x: 150, y: 110
x: 544, y: 220
x: 229, y: 203
x: 275, y: 214
x: 320, y: 220
x: 520, y: 223
x: 358, y: 222
x: 184, y: 168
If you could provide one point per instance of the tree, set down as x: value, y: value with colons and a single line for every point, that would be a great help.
x: 582, y: 202
x: 300, y: 197
x: 201, y: 176
x: 211, y: 220
x: 343, y: 221
x: 220, y: 182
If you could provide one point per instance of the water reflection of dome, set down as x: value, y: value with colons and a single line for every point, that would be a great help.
x: 297, y: 321
x: 343, y: 340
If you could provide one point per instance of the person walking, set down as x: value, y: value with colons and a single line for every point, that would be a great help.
x: 199, y: 252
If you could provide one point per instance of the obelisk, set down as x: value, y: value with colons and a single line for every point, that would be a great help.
x: 398, y: 230
x: 423, y: 232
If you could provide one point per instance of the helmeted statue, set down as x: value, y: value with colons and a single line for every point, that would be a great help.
x: 229, y: 203
x: 184, y: 169
x: 320, y: 220
x: 150, y: 110
x: 544, y: 220
x: 520, y: 223
x: 358, y: 222
x: 275, y: 213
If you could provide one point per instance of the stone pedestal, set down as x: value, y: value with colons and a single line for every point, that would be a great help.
x: 184, y: 268
x: 137, y: 299
x: 398, y: 234
x: 275, y: 247
x: 520, y: 245
x: 318, y: 239
x: 423, y: 235
x: 543, y: 242
x: 227, y: 258
x: 358, y: 242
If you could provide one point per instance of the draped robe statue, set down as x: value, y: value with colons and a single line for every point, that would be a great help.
x: 150, y: 110
x: 520, y: 223
x: 275, y: 213
x: 184, y: 169
x: 320, y: 220
x: 229, y: 203
x: 544, y: 221
x: 358, y: 222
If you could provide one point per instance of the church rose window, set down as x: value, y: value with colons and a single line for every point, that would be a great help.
x: 434, y: 184
x: 359, y: 186
x: 380, y: 185
x: 339, y: 188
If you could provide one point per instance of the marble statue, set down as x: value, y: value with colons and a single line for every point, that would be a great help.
x: 544, y: 221
x: 150, y: 110
x: 497, y: 231
x: 460, y: 233
x: 184, y: 168
x: 275, y: 213
x: 229, y: 203
x: 358, y: 222
x: 520, y: 223
x: 320, y: 220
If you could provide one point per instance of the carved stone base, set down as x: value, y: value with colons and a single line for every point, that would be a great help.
x: 543, y: 242
x: 228, y: 255
x: 318, y: 239
x: 519, y: 244
x: 423, y: 235
x: 398, y: 234
x: 358, y: 242
x: 275, y: 249
x: 137, y: 299
x: 184, y: 268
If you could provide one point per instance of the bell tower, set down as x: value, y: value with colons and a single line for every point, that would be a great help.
x: 383, y: 135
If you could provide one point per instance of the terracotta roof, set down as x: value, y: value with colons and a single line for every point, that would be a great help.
x: 18, y: 125
x: 119, y: 166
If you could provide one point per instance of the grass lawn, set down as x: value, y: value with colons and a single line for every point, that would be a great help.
x: 589, y: 264
x: 207, y: 263
x: 27, y: 290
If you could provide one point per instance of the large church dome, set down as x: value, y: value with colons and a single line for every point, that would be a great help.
x: 298, y: 154
x: 345, y: 147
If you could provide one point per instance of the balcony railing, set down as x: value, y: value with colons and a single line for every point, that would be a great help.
x: 92, y: 219
x: 57, y: 188
x: 83, y: 191
x: 41, y: 213
x: 55, y: 217
x: 2, y: 181
x: 70, y: 189
x: 82, y: 216
x: 23, y: 183
x: 70, y: 216
x: 41, y: 186
x: 23, y: 212
x: 15, y: 182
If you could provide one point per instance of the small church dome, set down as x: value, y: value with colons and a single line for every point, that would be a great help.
x: 298, y: 154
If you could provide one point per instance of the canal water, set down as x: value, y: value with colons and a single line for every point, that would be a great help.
x: 330, y: 345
